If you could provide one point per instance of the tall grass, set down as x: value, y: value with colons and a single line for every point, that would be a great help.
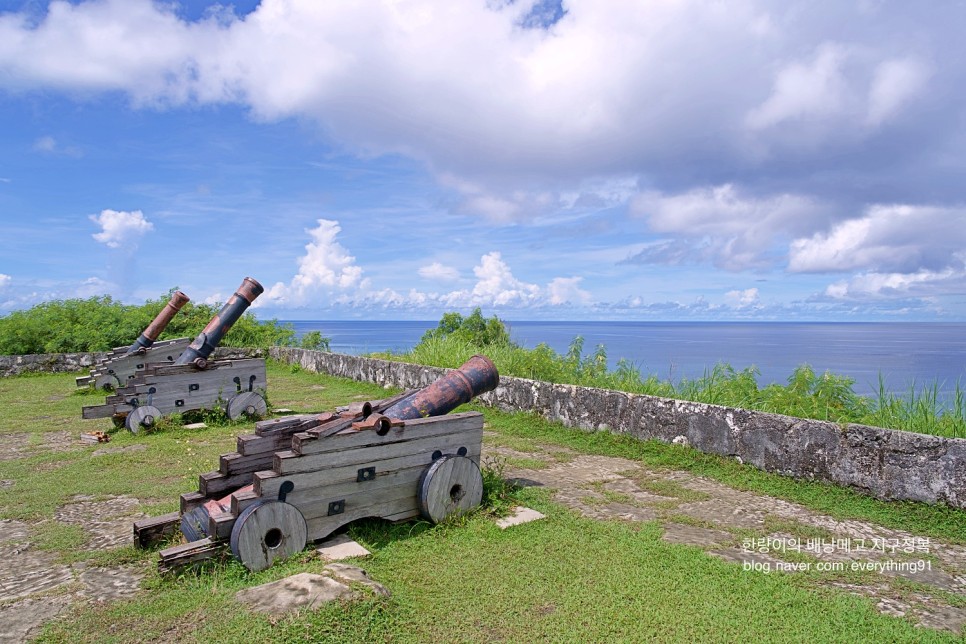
x: 825, y: 396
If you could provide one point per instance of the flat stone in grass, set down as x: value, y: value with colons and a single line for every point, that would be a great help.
x: 308, y: 591
x: 341, y: 547
x: 196, y: 426
x: 304, y: 590
x: 348, y: 573
x: 519, y: 516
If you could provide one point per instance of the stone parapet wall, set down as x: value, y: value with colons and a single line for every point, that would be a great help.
x: 883, y: 463
x: 71, y: 362
x: 47, y: 362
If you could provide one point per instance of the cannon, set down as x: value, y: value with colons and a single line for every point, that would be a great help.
x: 298, y: 479
x: 201, y: 348
x: 192, y: 381
x: 121, y: 363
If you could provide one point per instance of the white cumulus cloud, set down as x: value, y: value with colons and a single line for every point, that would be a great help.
x: 5, y: 281
x: 922, y: 283
x: 497, y: 286
x: 721, y: 225
x: 528, y: 112
x: 743, y: 298
x: 566, y: 290
x: 886, y: 239
x: 327, y: 267
x: 438, y: 272
x: 121, y: 229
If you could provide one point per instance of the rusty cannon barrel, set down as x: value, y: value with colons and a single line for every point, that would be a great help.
x: 476, y: 376
x: 198, y: 351
x: 151, y: 333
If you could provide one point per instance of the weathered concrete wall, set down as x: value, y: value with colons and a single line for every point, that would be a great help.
x: 69, y: 362
x: 884, y: 463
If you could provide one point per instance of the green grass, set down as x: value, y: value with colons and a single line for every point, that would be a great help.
x: 565, y: 578
x: 561, y: 579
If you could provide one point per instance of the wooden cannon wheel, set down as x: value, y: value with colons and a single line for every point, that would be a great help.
x: 451, y: 485
x: 267, y: 531
x: 143, y: 416
x: 246, y: 403
x: 106, y: 382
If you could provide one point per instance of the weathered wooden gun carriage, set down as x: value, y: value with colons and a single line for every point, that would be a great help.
x: 120, y: 365
x: 300, y: 478
x: 192, y: 381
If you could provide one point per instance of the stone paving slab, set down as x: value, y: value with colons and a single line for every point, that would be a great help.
x: 24, y: 619
x: 341, y: 547
x: 519, y: 516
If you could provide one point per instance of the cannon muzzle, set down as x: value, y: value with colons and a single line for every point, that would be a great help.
x: 151, y: 333
x: 476, y: 376
x: 198, y: 351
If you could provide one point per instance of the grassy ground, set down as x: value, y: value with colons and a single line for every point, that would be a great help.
x: 562, y: 579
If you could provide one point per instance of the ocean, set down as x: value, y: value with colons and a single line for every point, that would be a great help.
x: 904, y: 354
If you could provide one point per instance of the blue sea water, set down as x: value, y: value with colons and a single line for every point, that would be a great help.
x: 904, y: 354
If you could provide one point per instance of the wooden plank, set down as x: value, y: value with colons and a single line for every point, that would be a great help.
x: 321, y: 527
x: 292, y: 463
x: 220, y: 525
x: 216, y: 484
x: 255, y: 365
x: 153, y: 530
x: 252, y: 444
x: 152, y: 376
x: 242, y: 499
x: 313, y: 502
x: 105, y: 411
x: 402, y: 516
x: 191, y: 500
x: 189, y: 554
x: 412, y: 430
x: 309, y: 494
x: 234, y: 463
x: 267, y: 483
x: 291, y: 424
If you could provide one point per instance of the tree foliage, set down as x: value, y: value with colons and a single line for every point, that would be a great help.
x: 102, y: 323
x: 474, y: 329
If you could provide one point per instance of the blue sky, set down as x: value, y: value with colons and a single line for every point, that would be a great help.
x: 579, y: 160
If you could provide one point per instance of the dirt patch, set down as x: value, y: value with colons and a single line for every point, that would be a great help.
x: 13, y: 446
x: 104, y: 451
x: 59, y: 441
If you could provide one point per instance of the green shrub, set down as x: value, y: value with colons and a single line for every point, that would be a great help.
x: 315, y: 341
x: 474, y: 329
x: 102, y: 323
